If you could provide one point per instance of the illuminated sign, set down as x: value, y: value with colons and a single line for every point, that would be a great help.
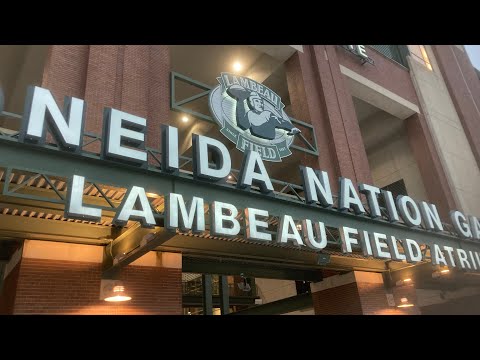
x: 360, y: 51
x: 251, y: 115
x: 124, y: 140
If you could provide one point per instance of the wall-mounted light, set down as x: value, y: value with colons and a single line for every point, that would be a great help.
x: 185, y: 119
x: 441, y: 272
x: 113, y: 291
x: 404, y: 303
x: 403, y: 282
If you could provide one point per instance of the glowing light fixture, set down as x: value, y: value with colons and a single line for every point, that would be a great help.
x: 230, y: 177
x: 185, y: 119
x: 403, y: 282
x: 441, y: 272
x: 237, y: 66
x: 113, y: 291
x: 404, y: 303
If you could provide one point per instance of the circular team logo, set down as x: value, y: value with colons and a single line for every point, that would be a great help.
x: 251, y: 116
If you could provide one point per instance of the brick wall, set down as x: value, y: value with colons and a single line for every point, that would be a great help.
x: 386, y: 72
x: 365, y: 296
x: 7, y: 293
x: 68, y: 287
x: 131, y: 78
x: 340, y: 300
x: 374, y: 300
x: 320, y: 96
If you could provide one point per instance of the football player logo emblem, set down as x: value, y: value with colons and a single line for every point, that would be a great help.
x: 252, y: 116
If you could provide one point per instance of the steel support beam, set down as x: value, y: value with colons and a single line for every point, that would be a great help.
x: 56, y: 230
x: 226, y: 267
x: 42, y: 159
x: 283, y: 306
x: 224, y: 295
x: 268, y: 254
x: 207, y: 294
x: 130, y: 246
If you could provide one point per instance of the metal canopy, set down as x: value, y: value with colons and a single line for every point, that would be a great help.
x: 47, y: 163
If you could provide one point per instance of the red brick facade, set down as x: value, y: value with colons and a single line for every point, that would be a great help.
x: 131, y: 78
x: 361, y: 298
x: 68, y: 287
x: 342, y: 300
x: 386, y: 72
x: 319, y: 95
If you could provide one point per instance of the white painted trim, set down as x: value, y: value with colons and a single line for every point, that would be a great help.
x: 298, y: 47
x: 378, y: 96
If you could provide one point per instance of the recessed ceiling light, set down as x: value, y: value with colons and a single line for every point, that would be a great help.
x: 237, y: 66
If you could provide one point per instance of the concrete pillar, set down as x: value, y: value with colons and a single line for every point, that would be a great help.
x: 433, y: 174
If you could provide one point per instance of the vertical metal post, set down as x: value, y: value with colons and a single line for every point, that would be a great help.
x: 207, y: 294
x: 253, y: 287
x: 2, y: 272
x: 224, y: 295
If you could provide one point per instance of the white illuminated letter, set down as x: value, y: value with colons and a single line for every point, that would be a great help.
x: 253, y: 169
x: 475, y: 226
x: 223, y: 164
x: 409, y: 210
x: 252, y: 225
x: 362, y: 51
x: 169, y: 149
x: 393, y: 247
x: 449, y: 250
x: 312, y: 239
x: 411, y: 255
x: 365, y: 243
x: 390, y: 204
x: 347, y: 240
x: 462, y: 257
x: 41, y: 106
x: 287, y: 231
x: 379, y: 247
x: 74, y: 208
x: 177, y: 215
x: 430, y: 216
x: 437, y: 256
x: 221, y: 213
x: 316, y: 186
x: 133, y: 134
x: 460, y: 224
x: 371, y: 192
x: 135, y: 198
x: 348, y: 197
